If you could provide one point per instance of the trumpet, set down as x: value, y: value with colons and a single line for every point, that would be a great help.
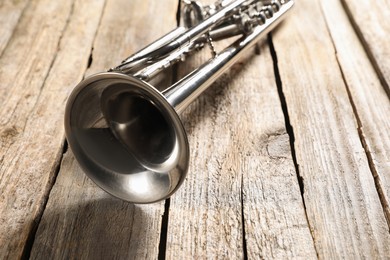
x: 125, y: 134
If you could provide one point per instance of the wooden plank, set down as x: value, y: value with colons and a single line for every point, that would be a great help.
x: 370, y: 19
x: 237, y: 134
x: 80, y: 220
x: 31, y: 120
x: 204, y: 217
x: 205, y: 214
x: 10, y: 12
x: 342, y: 203
x: 275, y: 220
x: 369, y: 98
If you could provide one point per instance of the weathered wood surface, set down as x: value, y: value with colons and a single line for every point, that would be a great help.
x: 241, y: 197
x: 342, y: 203
x: 10, y: 12
x: 36, y: 73
x: 371, y: 104
x: 80, y: 220
x: 242, y: 185
x: 371, y: 22
x: 250, y: 193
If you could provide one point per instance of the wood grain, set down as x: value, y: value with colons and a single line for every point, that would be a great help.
x: 240, y: 167
x: 371, y: 103
x: 30, y: 119
x: 80, y: 220
x: 274, y: 214
x: 10, y: 12
x: 370, y: 19
x: 342, y: 203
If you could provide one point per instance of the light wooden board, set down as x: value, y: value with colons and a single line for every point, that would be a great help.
x: 242, y: 183
x: 31, y: 119
x: 10, y: 12
x: 274, y: 215
x: 80, y: 220
x: 371, y: 22
x: 371, y: 103
x: 342, y: 203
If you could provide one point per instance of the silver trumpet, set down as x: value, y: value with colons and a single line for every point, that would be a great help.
x: 126, y: 135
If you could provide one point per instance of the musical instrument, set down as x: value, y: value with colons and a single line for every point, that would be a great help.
x: 126, y: 135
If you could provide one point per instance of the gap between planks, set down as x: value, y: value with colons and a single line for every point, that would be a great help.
x: 366, y: 44
x: 371, y: 164
x: 28, y: 243
x: 209, y: 194
x: 165, y: 220
x: 244, y: 245
x: 89, y: 62
x: 290, y: 132
x: 360, y: 126
x: 345, y: 155
x: 31, y: 237
x: 163, y: 248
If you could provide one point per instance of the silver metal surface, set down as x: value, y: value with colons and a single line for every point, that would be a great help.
x: 181, y: 94
x: 127, y: 138
x: 126, y: 135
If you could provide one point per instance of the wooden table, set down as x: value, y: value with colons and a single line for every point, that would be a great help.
x: 290, y: 150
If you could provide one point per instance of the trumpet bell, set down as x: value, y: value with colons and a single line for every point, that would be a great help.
x: 127, y: 137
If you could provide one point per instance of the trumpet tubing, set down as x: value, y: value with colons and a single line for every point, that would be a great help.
x: 126, y: 135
